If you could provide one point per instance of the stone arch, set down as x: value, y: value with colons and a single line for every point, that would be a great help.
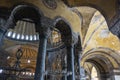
x: 102, y: 6
x: 98, y: 9
x: 105, y: 59
x: 107, y: 53
x: 58, y: 18
x: 90, y: 11
x: 88, y: 68
x: 69, y: 38
x: 21, y: 11
x: 102, y: 65
x: 97, y: 23
x: 65, y: 29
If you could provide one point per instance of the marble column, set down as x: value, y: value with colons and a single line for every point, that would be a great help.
x: 40, y: 66
x: 44, y: 33
x: 78, y: 60
x: 70, y: 62
x: 70, y: 42
x: 64, y: 64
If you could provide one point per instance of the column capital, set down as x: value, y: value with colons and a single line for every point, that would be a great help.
x: 45, y: 28
x: 70, y: 40
x: 47, y: 22
x: 44, y: 32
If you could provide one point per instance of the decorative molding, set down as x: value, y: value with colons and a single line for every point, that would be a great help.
x: 101, y: 51
x: 52, y: 4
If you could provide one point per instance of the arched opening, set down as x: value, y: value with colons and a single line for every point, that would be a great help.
x: 56, y: 53
x: 19, y: 21
x: 97, y: 35
x: 58, y: 59
x: 21, y: 11
x: 89, y: 15
x: 17, y: 29
x: 94, y: 74
x: 92, y: 71
x: 98, y: 70
x: 104, y: 60
x: 66, y: 30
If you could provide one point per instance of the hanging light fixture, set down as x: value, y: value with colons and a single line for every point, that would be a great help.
x: 14, y: 71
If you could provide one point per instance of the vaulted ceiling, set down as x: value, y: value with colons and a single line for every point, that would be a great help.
x: 94, y: 34
x: 108, y: 8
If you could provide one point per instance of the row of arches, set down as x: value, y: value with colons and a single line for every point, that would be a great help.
x: 104, y: 60
x: 44, y: 26
x: 21, y: 12
x: 75, y: 11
